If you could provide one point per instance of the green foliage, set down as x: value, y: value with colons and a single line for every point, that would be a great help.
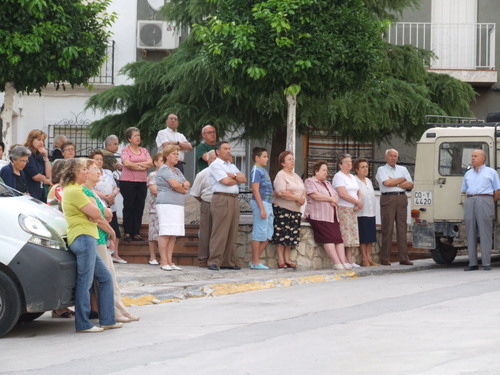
x: 272, y: 45
x: 390, y: 96
x: 59, y: 41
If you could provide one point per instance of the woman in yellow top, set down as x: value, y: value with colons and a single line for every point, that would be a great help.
x: 81, y: 215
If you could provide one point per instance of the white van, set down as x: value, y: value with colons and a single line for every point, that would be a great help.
x: 37, y: 271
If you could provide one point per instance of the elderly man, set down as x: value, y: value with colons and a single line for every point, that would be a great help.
x: 482, y: 187
x: 170, y: 136
x: 225, y: 208
x: 202, y: 191
x: 111, y: 145
x: 393, y: 181
x: 57, y: 151
x: 209, y: 139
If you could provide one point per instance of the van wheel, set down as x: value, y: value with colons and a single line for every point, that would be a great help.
x: 10, y: 304
x: 29, y: 317
x: 444, y: 253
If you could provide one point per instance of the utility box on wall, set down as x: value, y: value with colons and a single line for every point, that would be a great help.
x: 156, y: 35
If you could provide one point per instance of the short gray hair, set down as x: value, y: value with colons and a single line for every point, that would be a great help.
x: 391, y: 149
x: 18, y: 152
x: 109, y: 139
x: 342, y: 157
x: 210, y: 153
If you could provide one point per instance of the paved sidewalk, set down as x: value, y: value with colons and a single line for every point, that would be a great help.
x: 145, y: 284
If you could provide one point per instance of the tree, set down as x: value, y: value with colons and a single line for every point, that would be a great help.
x: 317, y: 47
x: 50, y: 41
x: 394, y: 103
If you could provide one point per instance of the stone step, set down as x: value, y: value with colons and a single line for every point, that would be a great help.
x: 185, y: 248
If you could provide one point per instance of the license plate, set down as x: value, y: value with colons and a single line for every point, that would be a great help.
x: 422, y: 198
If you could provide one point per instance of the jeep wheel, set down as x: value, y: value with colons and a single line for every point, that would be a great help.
x: 444, y: 253
x: 10, y: 304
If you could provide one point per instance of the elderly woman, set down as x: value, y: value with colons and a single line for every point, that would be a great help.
x: 107, y: 191
x: 289, y: 197
x: 106, y: 231
x: 349, y: 203
x: 13, y: 173
x: 366, y: 215
x: 321, y: 211
x: 136, y: 161
x: 38, y: 169
x: 153, y: 217
x: 82, y: 215
x: 172, y: 189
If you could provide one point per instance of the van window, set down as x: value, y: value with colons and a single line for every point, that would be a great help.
x: 455, y: 157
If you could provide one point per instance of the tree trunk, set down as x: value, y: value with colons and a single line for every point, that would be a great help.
x: 291, y: 122
x: 278, y: 145
x: 7, y: 113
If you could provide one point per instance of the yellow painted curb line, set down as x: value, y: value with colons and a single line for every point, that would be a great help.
x: 233, y: 288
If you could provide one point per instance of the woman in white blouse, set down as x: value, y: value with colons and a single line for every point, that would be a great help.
x: 350, y: 202
x: 366, y: 216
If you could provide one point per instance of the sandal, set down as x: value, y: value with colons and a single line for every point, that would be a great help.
x: 291, y: 265
x: 282, y: 265
x: 127, y: 238
x: 137, y: 237
x: 65, y: 314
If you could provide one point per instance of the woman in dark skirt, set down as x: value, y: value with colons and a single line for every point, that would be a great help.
x: 290, y: 196
x: 366, y: 216
x: 321, y: 211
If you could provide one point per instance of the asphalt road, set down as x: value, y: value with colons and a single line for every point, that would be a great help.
x: 438, y: 321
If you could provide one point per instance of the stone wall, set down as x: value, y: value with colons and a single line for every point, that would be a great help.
x: 307, y: 254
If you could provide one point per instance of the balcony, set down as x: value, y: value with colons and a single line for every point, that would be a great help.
x: 464, y: 51
x: 106, y: 73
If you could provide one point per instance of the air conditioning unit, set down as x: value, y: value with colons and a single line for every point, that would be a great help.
x: 156, y: 35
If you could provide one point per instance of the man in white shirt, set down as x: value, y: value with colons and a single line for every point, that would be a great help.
x: 393, y: 181
x: 202, y: 191
x: 170, y: 136
x: 225, y: 208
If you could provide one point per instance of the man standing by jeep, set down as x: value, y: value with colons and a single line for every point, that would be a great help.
x: 393, y: 181
x: 482, y: 187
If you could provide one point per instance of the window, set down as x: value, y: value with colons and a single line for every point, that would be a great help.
x: 455, y: 157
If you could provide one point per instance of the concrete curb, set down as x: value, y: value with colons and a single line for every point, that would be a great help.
x: 195, y: 283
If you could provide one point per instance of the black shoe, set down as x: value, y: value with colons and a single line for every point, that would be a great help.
x: 471, y: 268
x: 487, y: 268
x: 236, y: 268
x: 213, y: 267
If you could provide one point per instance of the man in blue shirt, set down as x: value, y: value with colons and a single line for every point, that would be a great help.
x: 482, y: 187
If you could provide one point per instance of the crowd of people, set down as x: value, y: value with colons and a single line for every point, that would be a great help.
x: 341, y: 213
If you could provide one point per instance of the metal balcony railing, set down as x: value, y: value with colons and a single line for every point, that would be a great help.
x: 457, y: 46
x: 106, y: 73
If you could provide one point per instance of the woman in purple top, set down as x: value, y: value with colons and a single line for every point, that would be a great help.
x: 321, y: 211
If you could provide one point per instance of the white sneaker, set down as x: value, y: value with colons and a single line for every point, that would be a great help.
x: 347, y: 266
x: 121, y: 261
x: 113, y: 326
x: 166, y: 268
x: 354, y: 265
x: 94, y: 329
x: 174, y: 267
x: 154, y: 262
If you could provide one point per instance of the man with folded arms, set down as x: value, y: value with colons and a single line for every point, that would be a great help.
x: 481, y: 185
x: 225, y: 208
x: 393, y: 181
